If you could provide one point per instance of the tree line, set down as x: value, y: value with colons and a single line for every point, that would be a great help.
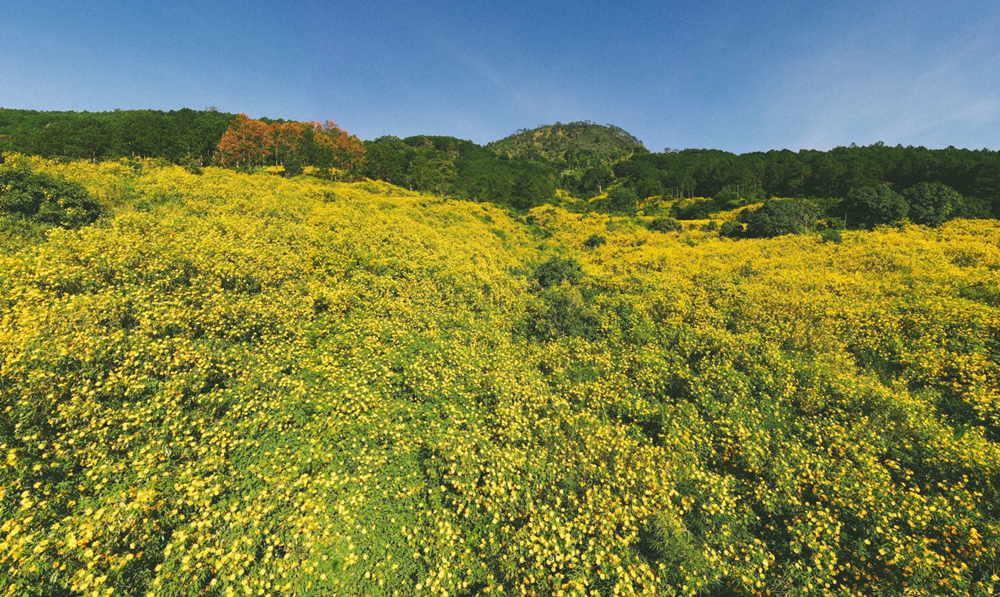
x: 179, y: 136
x: 526, y: 169
x: 463, y: 169
x: 289, y: 147
x: 833, y: 174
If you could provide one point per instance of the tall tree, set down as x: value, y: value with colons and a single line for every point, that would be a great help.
x: 931, y: 203
x: 870, y: 206
x: 245, y: 144
x: 333, y: 147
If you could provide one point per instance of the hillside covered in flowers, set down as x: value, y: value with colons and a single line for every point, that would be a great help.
x: 247, y: 384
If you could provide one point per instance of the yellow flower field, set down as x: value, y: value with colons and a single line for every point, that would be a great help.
x: 238, y: 384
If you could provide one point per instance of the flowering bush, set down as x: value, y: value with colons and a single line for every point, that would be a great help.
x: 250, y: 384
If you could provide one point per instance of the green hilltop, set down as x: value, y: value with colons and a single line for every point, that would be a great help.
x: 576, y: 145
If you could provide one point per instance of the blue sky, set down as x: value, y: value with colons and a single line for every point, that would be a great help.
x: 723, y: 74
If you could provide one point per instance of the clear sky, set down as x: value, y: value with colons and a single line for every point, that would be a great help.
x: 734, y: 75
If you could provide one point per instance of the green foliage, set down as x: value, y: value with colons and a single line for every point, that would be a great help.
x: 45, y: 199
x: 558, y: 270
x: 595, y: 240
x: 753, y: 177
x: 622, y: 201
x: 731, y: 229
x: 778, y: 217
x: 184, y: 135
x: 831, y: 235
x: 931, y: 203
x: 698, y: 209
x: 563, y: 312
x: 643, y: 178
x: 190, y: 164
x: 972, y: 208
x: 577, y: 145
x: 457, y: 168
x: 871, y: 206
x: 595, y: 179
x: 664, y: 225
x: 728, y: 199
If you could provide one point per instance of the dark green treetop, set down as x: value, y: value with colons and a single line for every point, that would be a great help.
x: 778, y: 217
x: 931, y: 203
x: 874, y: 205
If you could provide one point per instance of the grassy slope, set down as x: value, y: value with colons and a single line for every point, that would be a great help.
x: 245, y: 382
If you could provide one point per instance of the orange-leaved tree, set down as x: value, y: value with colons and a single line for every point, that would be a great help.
x: 334, y: 147
x: 245, y: 144
x: 250, y: 144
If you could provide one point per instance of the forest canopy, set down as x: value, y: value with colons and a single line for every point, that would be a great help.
x: 176, y: 136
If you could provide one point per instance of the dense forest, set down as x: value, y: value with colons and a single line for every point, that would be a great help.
x: 451, y: 167
x: 178, y: 136
x: 974, y: 174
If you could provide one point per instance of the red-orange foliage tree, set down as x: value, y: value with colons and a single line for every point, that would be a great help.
x: 245, y: 144
x: 335, y: 147
x: 250, y: 144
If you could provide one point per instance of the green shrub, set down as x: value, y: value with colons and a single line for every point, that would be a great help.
x: 871, y: 206
x: 727, y: 199
x: 652, y: 207
x: 778, y: 217
x: 972, y: 208
x: 731, y: 229
x: 830, y: 224
x: 45, y: 199
x: 931, y: 203
x: 563, y: 312
x: 557, y: 270
x: 193, y: 166
x: 665, y: 225
x: 622, y: 201
x: 594, y: 241
x: 831, y: 235
x: 698, y: 210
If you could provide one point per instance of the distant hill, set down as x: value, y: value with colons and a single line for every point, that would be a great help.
x: 577, y: 145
